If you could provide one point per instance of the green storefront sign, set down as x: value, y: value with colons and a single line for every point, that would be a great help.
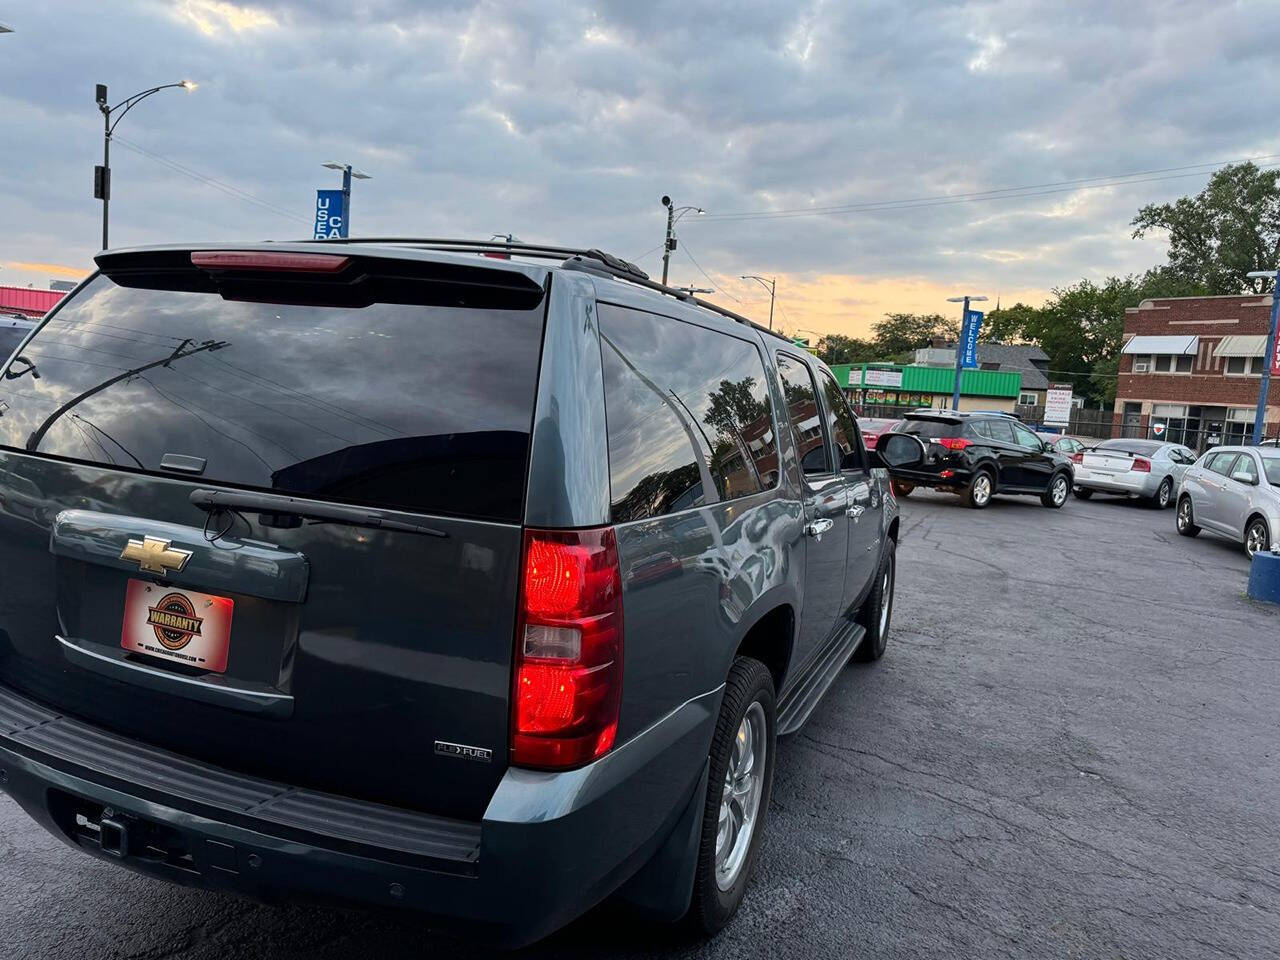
x: 921, y: 384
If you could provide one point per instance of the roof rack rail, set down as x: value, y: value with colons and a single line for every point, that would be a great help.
x: 587, y: 260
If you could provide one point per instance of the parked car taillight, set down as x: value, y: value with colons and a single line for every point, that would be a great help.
x: 955, y: 443
x: 1077, y: 457
x: 568, y: 676
x: 1141, y: 464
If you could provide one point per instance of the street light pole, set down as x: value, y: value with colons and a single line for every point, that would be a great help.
x: 1269, y: 360
x: 102, y: 176
x: 964, y: 322
x: 344, y: 226
x: 771, y: 285
x: 674, y: 214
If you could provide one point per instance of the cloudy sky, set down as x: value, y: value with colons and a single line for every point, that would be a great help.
x: 565, y: 122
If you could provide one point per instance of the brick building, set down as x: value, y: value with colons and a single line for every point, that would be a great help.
x: 1190, y: 370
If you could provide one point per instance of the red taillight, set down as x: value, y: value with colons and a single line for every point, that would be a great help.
x: 568, y: 676
x: 269, y: 262
x: 955, y: 443
x: 1141, y: 465
x: 1077, y: 458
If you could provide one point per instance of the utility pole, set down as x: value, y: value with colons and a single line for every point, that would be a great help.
x: 344, y: 230
x: 1269, y: 361
x: 674, y: 214
x: 964, y: 328
x: 771, y: 285
x: 102, y: 174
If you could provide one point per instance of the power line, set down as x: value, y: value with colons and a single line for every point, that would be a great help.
x: 1002, y: 193
x: 685, y: 248
x: 214, y: 182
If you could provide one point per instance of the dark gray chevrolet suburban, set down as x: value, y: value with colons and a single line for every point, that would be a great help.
x: 479, y: 581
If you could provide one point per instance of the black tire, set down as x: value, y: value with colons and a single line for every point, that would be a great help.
x: 1055, y: 495
x: 749, y: 683
x: 1185, y: 520
x: 1256, y: 527
x: 902, y: 489
x: 1082, y: 494
x: 1164, y: 495
x: 975, y: 494
x: 877, y: 610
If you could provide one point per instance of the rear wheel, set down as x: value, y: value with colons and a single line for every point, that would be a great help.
x: 1059, y: 489
x: 1186, y: 518
x: 878, y: 609
x: 1083, y: 494
x: 981, y: 487
x: 1257, y: 536
x: 738, y: 788
x: 902, y: 489
x: 1164, y: 496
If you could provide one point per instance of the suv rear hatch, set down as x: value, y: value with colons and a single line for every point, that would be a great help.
x: 263, y: 509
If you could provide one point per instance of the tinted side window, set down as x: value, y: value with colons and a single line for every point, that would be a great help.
x: 1221, y: 463
x: 843, y: 426
x: 1025, y: 438
x: 1245, y: 466
x: 400, y: 405
x: 802, y: 411
x: 930, y: 429
x: 684, y: 406
x: 999, y: 430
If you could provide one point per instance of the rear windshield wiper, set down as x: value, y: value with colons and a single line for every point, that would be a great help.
x: 274, y: 503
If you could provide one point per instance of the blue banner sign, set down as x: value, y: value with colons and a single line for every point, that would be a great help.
x: 329, y: 219
x: 969, y: 339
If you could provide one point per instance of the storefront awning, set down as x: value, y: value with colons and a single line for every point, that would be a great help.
x: 1242, y: 345
x: 1177, y: 346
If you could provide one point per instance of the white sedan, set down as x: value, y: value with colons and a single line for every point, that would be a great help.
x: 1147, y: 469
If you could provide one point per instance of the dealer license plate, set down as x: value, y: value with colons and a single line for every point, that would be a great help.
x: 179, y: 625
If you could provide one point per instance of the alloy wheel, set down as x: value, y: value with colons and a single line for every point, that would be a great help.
x: 1256, y: 538
x: 740, y: 799
x: 1164, y: 493
x: 886, y: 598
x: 1060, y: 491
x: 981, y: 489
x: 1184, y: 514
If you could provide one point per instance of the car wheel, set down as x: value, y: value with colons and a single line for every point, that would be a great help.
x: 902, y: 489
x: 1186, y: 518
x: 1257, y: 536
x: 877, y: 610
x: 1082, y: 494
x: 1164, y: 495
x: 738, y: 788
x: 1059, y: 490
x: 981, y: 487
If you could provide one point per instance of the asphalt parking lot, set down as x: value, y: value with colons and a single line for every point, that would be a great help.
x: 1070, y: 750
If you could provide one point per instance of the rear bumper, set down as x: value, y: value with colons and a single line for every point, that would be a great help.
x: 551, y: 845
x: 1130, y: 483
x: 960, y: 477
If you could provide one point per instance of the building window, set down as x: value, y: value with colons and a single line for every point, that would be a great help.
x: 1240, y: 366
x: 1184, y: 363
x: 1255, y: 368
x: 1162, y: 363
x: 1141, y: 363
x: 1027, y: 400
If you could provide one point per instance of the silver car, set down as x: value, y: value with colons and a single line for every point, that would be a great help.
x: 1233, y: 491
x: 1149, y: 469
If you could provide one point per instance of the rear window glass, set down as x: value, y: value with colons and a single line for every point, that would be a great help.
x: 930, y: 429
x: 688, y: 415
x: 11, y: 334
x: 1144, y: 448
x: 394, y: 405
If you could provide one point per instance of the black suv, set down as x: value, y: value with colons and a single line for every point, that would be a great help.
x: 978, y: 455
x: 397, y: 573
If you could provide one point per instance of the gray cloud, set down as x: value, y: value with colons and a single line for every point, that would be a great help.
x: 565, y: 122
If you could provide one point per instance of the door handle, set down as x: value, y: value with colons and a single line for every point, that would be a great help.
x: 856, y: 511
x: 816, y: 528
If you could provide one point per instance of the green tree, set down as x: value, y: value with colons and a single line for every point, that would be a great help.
x: 898, y: 335
x: 1223, y: 232
x: 838, y: 348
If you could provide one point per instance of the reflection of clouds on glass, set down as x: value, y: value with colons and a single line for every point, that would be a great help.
x: 286, y: 384
x: 676, y: 392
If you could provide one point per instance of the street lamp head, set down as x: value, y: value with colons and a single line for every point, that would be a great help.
x: 963, y: 299
x: 666, y: 201
x: 188, y: 85
x: 100, y: 94
x: 334, y: 165
x: 701, y: 212
x: 360, y: 175
x: 1264, y: 274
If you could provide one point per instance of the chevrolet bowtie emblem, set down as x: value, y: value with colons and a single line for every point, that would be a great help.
x: 155, y: 555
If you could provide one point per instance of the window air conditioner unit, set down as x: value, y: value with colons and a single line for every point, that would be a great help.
x: 1142, y: 368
